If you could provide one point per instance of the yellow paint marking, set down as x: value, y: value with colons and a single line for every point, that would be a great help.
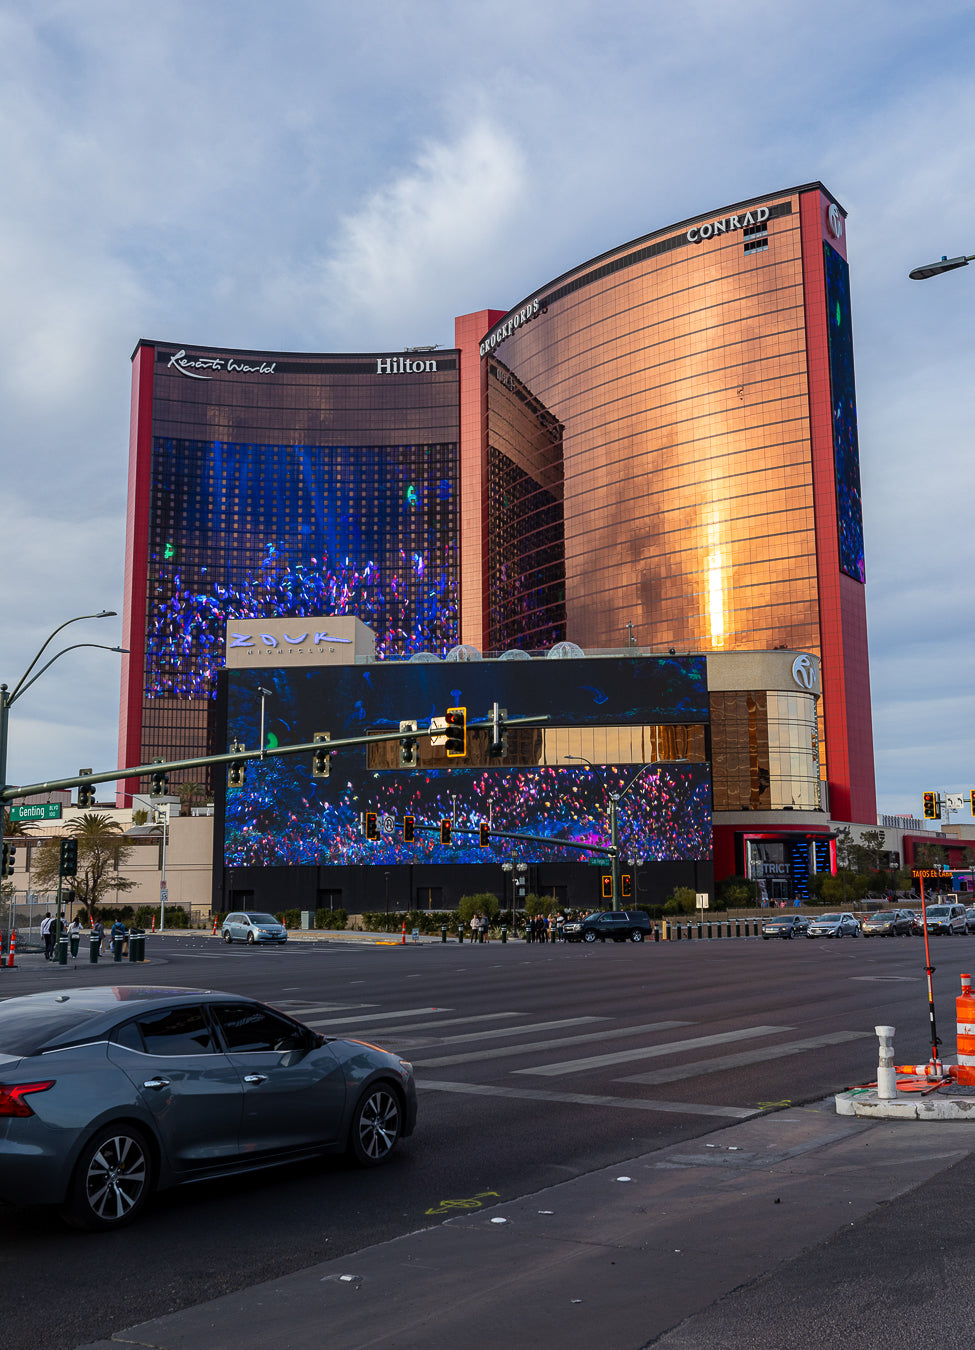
x: 475, y: 1202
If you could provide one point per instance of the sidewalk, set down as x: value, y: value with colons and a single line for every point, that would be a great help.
x: 622, y: 1256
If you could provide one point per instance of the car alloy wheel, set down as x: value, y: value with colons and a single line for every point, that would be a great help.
x: 251, y: 938
x: 112, y: 1179
x: 636, y: 935
x: 589, y: 935
x: 376, y: 1125
x: 227, y: 938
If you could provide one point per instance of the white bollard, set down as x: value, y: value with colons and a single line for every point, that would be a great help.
x: 886, y: 1073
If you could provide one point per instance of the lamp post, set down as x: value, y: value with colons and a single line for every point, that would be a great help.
x: 614, y: 800
x: 8, y: 697
x: 943, y: 265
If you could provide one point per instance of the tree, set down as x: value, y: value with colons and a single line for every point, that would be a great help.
x: 101, y: 855
x: 682, y: 901
x: 15, y: 829
x: 190, y: 795
x: 872, y: 846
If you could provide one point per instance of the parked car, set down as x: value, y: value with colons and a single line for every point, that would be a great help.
x: 618, y: 924
x: 888, y: 923
x: 792, y: 926
x: 251, y: 927
x: 108, y: 1094
x: 950, y: 919
x: 834, y: 926
x: 970, y: 918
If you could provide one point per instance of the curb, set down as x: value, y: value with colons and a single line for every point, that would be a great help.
x: 942, y: 1103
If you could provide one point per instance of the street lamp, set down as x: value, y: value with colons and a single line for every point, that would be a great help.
x: 9, y: 697
x: 936, y: 268
x: 614, y: 800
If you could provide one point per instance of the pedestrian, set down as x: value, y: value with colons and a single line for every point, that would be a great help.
x: 47, y: 933
x: 74, y: 928
x: 98, y: 931
x: 118, y: 931
x: 560, y: 925
x: 475, y: 925
x: 482, y: 925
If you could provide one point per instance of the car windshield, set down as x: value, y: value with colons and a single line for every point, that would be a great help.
x: 778, y: 921
x: 829, y: 918
x: 261, y: 918
x: 938, y: 911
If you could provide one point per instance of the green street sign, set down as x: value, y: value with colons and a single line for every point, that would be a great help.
x: 42, y: 811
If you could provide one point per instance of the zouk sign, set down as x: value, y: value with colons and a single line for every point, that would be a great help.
x: 307, y: 641
x: 727, y: 224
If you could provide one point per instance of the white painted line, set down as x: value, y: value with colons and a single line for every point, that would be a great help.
x: 746, y: 1057
x: 587, y: 1099
x: 380, y: 1017
x: 649, y: 1052
x: 494, y: 1032
x: 309, y: 1009
x: 529, y: 1047
x: 481, y: 1018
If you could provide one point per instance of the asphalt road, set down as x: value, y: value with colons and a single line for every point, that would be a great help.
x: 534, y: 1065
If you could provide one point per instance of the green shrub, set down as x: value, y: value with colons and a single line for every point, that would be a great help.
x: 291, y: 918
x: 682, y: 900
x: 331, y: 918
x: 483, y: 903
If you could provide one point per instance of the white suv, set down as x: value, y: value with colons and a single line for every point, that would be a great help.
x: 948, y: 919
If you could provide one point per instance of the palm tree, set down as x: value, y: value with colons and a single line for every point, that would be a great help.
x: 188, y: 793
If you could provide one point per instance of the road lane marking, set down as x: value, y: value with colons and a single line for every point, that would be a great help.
x: 379, y: 1017
x: 309, y: 1009
x: 529, y: 1047
x: 475, y: 1202
x: 746, y: 1057
x: 648, y: 1051
x: 587, y: 1099
x: 450, y: 1022
x: 493, y: 1032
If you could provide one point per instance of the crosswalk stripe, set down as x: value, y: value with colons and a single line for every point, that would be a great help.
x: 746, y: 1057
x: 494, y: 1032
x: 451, y: 1022
x: 302, y: 1010
x: 376, y: 1017
x: 648, y: 1052
x: 529, y: 1047
x: 587, y: 1099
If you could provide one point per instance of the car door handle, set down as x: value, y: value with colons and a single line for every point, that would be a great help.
x: 255, y: 1077
x: 156, y: 1083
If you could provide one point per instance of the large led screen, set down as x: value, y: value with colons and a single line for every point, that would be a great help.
x: 846, y: 449
x: 283, y: 816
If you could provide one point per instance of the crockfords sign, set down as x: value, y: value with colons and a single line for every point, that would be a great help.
x: 505, y: 329
x: 402, y: 365
x: 191, y: 366
x: 727, y: 224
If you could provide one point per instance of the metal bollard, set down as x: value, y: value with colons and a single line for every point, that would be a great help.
x: 140, y: 947
x: 94, y: 947
x: 460, y: 934
x: 690, y: 930
x: 133, y: 948
x: 63, y: 952
x: 443, y: 932
x: 656, y: 933
x: 677, y: 927
x: 886, y: 1073
x: 738, y: 928
x: 700, y: 930
x: 504, y: 932
x: 117, y: 945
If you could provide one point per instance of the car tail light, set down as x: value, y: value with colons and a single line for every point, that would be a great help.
x: 12, y: 1097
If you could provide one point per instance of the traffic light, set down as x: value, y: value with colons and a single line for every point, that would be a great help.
x: 484, y: 834
x: 626, y: 885
x: 932, y: 808
x: 407, y: 749
x: 159, y: 781
x: 236, y: 773
x: 498, y: 744
x: 445, y: 832
x: 321, y: 760
x: 973, y: 801
x: 9, y: 854
x: 456, y: 733
x: 372, y: 825
x: 69, y: 858
x: 607, y: 888
x: 409, y: 829
x: 86, y: 792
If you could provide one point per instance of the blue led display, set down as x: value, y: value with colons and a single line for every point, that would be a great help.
x: 846, y: 450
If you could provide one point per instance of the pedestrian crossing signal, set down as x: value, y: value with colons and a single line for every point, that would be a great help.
x: 484, y: 834
x: 931, y: 808
x: 607, y: 888
x: 445, y: 832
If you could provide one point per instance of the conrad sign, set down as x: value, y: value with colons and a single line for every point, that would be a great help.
x: 307, y: 641
x: 727, y: 224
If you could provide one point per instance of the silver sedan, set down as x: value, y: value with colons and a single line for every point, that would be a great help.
x: 107, y: 1094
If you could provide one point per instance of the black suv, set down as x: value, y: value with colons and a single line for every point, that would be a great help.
x: 618, y: 924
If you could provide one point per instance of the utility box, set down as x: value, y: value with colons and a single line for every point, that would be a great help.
x: 307, y: 920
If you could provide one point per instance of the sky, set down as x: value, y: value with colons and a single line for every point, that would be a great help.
x: 321, y: 176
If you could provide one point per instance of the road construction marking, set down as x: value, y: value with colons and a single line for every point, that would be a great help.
x: 587, y: 1099
x: 746, y: 1057
x: 475, y: 1202
x: 648, y: 1051
x: 774, y: 1106
x: 529, y: 1047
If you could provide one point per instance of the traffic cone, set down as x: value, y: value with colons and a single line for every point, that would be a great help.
x: 13, y: 947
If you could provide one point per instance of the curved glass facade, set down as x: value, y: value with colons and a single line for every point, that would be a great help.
x: 705, y: 461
